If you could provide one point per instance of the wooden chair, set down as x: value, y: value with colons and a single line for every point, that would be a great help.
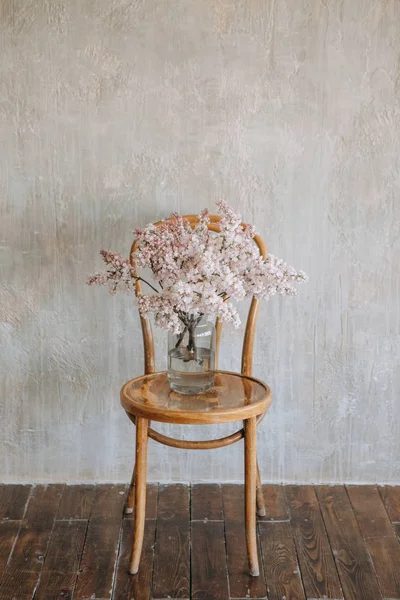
x: 235, y: 397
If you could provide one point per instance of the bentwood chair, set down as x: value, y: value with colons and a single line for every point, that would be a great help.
x: 234, y: 397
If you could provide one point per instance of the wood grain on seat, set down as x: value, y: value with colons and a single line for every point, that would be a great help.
x: 234, y: 397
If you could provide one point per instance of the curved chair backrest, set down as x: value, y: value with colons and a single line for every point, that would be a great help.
x: 248, y: 340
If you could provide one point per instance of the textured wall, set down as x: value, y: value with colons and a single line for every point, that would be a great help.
x: 115, y: 113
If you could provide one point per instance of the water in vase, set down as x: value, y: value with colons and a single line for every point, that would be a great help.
x: 191, y: 372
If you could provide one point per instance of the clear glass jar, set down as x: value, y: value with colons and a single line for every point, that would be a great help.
x: 191, y: 356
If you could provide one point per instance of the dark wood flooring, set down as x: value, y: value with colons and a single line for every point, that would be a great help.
x: 325, y: 542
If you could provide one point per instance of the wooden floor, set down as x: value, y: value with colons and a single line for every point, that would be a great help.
x: 71, y: 542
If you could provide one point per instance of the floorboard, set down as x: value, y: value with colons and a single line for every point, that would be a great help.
x: 315, y: 543
x: 96, y: 572
x: 368, y: 507
x: 8, y: 534
x: 275, y: 503
x: 379, y: 536
x: 280, y: 562
x: 137, y: 586
x: 59, y: 572
x: 22, y: 573
x: 354, y: 565
x: 76, y: 502
x: 391, y: 500
x: 242, y: 585
x: 13, y: 500
x: 318, y: 570
x: 209, y: 578
x: 209, y: 574
x: 207, y: 502
x: 172, y: 547
x: 397, y: 530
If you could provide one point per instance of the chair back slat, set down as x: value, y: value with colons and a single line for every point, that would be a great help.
x: 218, y: 333
x: 249, y: 334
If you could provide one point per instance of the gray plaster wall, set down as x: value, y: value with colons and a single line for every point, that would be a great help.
x: 115, y: 113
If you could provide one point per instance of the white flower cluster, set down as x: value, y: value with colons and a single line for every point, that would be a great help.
x: 199, y: 271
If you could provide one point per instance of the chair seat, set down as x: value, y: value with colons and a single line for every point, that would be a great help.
x: 234, y: 397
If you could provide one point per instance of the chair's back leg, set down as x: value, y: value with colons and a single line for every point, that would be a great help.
x: 260, y: 496
x: 130, y: 502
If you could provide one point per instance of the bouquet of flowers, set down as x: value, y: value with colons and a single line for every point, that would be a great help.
x: 196, y: 271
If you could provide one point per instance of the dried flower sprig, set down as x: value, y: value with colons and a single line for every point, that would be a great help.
x: 198, y: 271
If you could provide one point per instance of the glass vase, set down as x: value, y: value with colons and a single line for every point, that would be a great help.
x: 191, y: 356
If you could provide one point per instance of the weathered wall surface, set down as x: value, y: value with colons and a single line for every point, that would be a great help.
x: 115, y: 113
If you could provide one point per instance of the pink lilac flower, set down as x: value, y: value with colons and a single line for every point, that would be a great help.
x: 198, y: 271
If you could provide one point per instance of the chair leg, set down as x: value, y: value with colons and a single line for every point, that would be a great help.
x: 130, y: 502
x: 142, y: 426
x: 250, y: 428
x: 260, y: 496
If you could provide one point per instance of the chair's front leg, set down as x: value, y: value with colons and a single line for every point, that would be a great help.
x: 250, y: 454
x: 130, y: 502
x: 142, y: 426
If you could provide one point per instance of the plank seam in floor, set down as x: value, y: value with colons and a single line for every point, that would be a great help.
x: 294, y: 543
x: 298, y: 562
x: 206, y: 520
x: 47, y: 547
x: 84, y: 542
x: 273, y: 520
x: 190, y: 543
x: 155, y: 541
x: 20, y: 526
x: 66, y: 519
x: 116, y: 562
x: 226, y: 545
x: 329, y: 541
x: 261, y: 559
